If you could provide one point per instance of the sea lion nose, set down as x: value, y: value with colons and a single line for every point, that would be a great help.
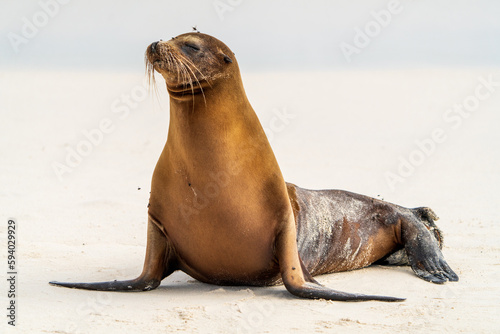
x: 153, y: 46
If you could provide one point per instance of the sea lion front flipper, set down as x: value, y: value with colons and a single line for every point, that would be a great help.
x: 159, y: 263
x: 299, y: 282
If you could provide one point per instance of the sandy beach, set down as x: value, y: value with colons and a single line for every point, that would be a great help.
x: 78, y: 151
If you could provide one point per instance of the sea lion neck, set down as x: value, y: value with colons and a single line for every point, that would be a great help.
x: 222, y: 131
x: 222, y: 107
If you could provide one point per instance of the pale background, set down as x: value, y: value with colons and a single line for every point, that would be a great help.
x: 264, y: 34
x: 351, y: 123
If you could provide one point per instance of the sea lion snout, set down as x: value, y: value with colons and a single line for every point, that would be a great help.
x: 154, y: 45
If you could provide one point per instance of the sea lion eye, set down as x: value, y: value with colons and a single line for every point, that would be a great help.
x: 193, y: 46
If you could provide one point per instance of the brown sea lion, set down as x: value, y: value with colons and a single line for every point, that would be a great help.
x: 221, y: 211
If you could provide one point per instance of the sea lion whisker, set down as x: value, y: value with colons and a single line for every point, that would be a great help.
x: 176, y: 66
x: 173, y: 60
x: 199, y: 83
x: 188, y: 80
x: 187, y: 77
x: 181, y: 72
x: 197, y: 69
x: 191, y: 64
x: 181, y: 75
x: 151, y: 79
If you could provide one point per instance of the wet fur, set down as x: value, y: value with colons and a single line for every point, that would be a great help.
x: 338, y: 230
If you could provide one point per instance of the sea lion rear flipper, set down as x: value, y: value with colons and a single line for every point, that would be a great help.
x: 299, y: 282
x: 422, y: 241
x: 428, y: 262
x: 159, y: 263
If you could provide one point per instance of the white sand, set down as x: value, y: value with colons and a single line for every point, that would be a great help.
x: 349, y: 129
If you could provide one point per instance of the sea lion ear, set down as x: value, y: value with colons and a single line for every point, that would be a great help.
x: 227, y: 59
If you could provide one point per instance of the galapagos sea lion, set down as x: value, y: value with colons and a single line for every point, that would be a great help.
x: 221, y: 211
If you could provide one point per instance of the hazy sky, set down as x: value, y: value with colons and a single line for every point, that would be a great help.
x: 281, y: 35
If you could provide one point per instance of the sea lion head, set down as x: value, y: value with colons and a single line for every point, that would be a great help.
x: 190, y: 63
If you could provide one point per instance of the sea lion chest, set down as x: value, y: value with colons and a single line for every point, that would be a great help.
x: 220, y: 215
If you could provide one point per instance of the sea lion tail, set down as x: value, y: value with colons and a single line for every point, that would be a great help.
x: 128, y: 285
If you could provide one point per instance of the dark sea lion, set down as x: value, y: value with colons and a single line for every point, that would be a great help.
x: 221, y: 211
x: 339, y: 230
